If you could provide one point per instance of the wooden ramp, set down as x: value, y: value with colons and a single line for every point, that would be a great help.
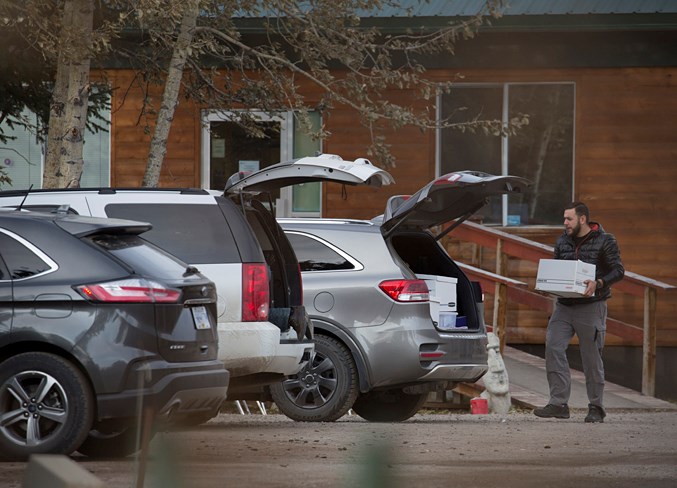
x: 529, y: 387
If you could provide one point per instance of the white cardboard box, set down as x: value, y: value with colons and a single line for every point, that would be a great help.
x: 442, y: 292
x: 442, y: 298
x: 563, y: 278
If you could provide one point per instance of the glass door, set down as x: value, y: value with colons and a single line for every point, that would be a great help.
x: 227, y: 149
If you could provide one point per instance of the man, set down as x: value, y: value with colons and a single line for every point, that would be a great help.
x: 584, y: 316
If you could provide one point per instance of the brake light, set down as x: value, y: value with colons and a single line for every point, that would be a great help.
x: 406, y: 290
x: 133, y: 290
x: 448, y: 178
x: 255, y: 292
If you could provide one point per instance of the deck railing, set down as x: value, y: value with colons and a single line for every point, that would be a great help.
x: 506, y: 289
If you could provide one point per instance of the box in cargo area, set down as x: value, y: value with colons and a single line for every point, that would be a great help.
x: 563, y: 278
x: 442, y: 292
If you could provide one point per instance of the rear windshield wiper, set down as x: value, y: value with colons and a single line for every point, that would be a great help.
x: 191, y: 270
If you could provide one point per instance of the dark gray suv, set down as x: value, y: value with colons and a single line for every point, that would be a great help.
x: 97, y: 325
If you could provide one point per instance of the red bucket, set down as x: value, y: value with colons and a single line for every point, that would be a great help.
x: 479, y: 406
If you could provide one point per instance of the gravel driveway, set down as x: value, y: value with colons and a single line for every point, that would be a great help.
x: 631, y: 449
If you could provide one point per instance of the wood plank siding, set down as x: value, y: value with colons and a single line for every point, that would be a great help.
x: 625, y: 169
x: 132, y: 132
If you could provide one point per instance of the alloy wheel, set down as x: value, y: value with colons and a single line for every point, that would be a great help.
x: 315, y: 384
x: 33, y: 408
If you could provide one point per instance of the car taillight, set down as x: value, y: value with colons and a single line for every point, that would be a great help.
x: 133, y: 290
x: 255, y: 292
x: 406, y: 290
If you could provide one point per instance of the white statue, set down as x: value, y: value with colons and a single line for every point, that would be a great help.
x: 497, y: 387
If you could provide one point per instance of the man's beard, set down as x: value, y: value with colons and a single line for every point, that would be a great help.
x: 575, y: 230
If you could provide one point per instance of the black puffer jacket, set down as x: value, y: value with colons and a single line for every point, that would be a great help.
x: 598, y: 248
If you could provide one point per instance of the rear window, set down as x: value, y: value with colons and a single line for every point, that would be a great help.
x: 143, y: 257
x: 194, y: 233
x: 21, y: 261
x: 316, y: 256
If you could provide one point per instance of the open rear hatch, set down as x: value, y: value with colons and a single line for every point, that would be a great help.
x: 286, y: 290
x: 325, y: 167
x: 454, y: 196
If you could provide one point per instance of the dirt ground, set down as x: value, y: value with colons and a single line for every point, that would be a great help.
x: 631, y: 449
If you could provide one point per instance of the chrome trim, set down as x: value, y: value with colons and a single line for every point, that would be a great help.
x: 321, y: 220
x: 35, y: 250
x: 465, y: 334
x: 197, y: 301
x: 358, y: 266
x: 455, y: 372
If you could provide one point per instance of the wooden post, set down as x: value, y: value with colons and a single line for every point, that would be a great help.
x: 476, y: 259
x: 500, y: 313
x: 649, y: 343
x: 501, y: 296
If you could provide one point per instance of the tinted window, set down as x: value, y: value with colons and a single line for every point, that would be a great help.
x: 254, y: 220
x: 193, y: 233
x: 21, y: 261
x: 143, y: 257
x: 315, y: 256
x: 4, y: 274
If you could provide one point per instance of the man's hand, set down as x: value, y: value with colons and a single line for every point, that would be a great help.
x: 590, y: 287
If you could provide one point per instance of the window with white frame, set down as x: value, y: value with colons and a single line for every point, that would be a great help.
x: 22, y: 157
x: 542, y: 151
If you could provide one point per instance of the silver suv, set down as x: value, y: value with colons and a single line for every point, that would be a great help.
x: 233, y: 239
x: 394, y: 316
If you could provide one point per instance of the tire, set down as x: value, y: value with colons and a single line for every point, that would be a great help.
x: 46, y: 406
x: 116, y: 442
x: 324, y: 390
x: 388, y: 405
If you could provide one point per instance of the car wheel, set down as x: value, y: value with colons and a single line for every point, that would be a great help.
x: 324, y: 390
x: 46, y: 406
x: 104, y: 442
x: 388, y: 405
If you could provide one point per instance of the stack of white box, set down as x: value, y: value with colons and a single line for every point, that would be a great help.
x: 563, y: 278
x: 442, y: 300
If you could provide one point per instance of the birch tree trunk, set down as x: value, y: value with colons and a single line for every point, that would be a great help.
x: 51, y: 173
x: 170, y: 97
x: 68, y: 110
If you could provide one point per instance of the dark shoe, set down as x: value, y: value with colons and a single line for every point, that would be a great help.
x: 595, y: 414
x: 553, y: 411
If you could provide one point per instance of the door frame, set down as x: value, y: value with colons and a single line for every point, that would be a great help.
x: 208, y: 116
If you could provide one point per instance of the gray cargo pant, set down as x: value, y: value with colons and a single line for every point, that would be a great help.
x: 588, y: 322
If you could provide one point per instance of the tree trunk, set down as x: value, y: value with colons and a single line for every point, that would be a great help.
x: 68, y: 111
x: 50, y: 176
x: 170, y: 97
